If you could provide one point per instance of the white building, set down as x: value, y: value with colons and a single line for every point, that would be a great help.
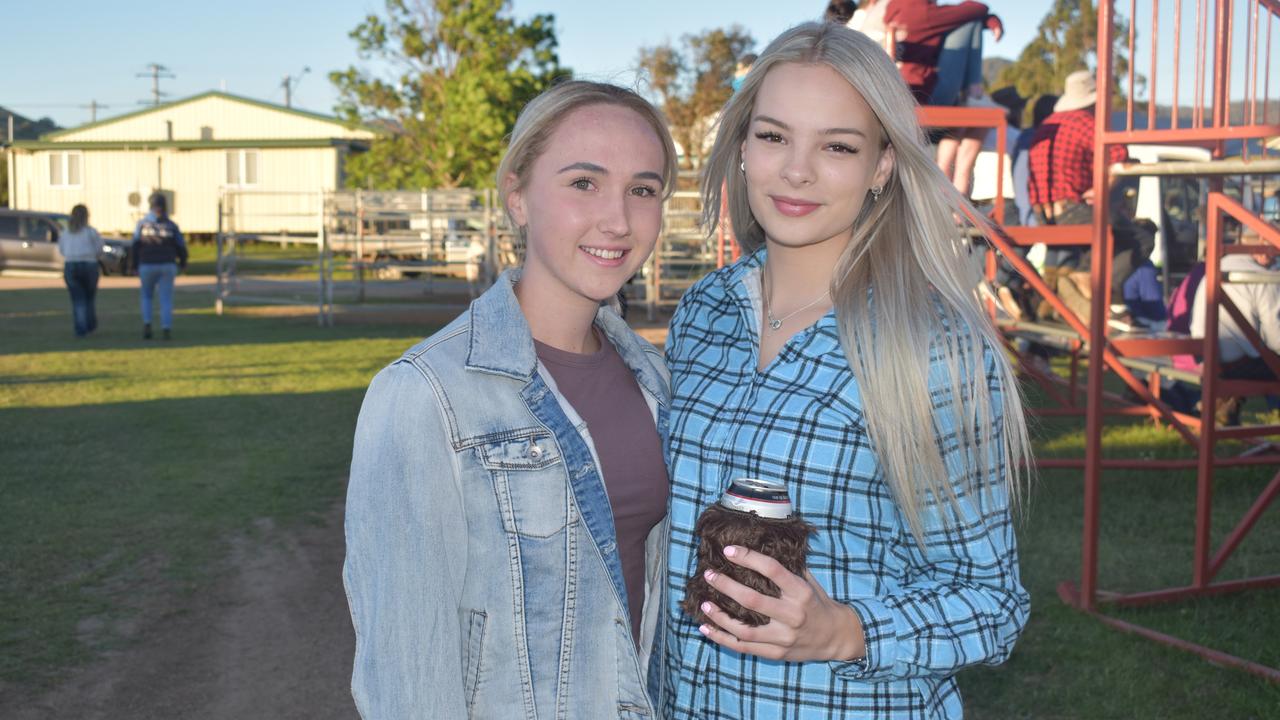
x: 191, y: 149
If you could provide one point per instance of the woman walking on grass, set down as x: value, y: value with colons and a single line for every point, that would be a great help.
x: 79, y: 246
x: 847, y: 358
x: 159, y: 252
x: 506, y: 515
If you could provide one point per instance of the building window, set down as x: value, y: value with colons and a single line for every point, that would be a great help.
x: 64, y: 169
x: 242, y: 167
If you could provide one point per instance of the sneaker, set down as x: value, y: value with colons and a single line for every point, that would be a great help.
x: 164, y: 334
x: 146, y: 331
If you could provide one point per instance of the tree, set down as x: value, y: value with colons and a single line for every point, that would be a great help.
x: 692, y: 82
x: 457, y: 74
x: 23, y: 129
x: 1066, y: 41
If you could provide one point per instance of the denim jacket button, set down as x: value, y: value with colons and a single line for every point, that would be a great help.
x: 535, y: 452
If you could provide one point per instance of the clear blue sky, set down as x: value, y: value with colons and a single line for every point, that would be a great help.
x: 58, y: 55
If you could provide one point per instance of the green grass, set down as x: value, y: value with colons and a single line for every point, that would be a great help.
x: 125, y: 462
x: 202, y: 259
x: 1070, y: 665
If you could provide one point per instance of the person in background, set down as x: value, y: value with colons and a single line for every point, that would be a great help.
x: 1040, y: 112
x: 1060, y: 188
x: 941, y: 59
x: 927, y: 25
x: 1143, y: 292
x: 1015, y: 295
x: 1259, y: 302
x: 868, y: 19
x: 839, y: 11
x: 743, y: 67
x: 158, y: 253
x: 79, y: 246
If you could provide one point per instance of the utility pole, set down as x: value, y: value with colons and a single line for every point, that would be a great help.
x: 290, y: 83
x: 92, y: 107
x: 155, y: 71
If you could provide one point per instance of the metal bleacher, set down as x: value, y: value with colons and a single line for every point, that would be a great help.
x: 1224, y: 74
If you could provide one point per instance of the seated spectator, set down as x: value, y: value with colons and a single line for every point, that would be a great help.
x: 941, y: 59
x: 1143, y: 292
x: 868, y: 19
x: 1040, y: 112
x: 1060, y: 188
x: 1179, y: 395
x: 1259, y: 303
x: 926, y: 25
x: 1016, y: 296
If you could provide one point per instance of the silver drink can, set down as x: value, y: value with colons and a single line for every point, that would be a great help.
x: 760, y: 497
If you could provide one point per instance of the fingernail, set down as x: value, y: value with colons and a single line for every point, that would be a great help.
x: 710, y: 576
x: 704, y: 629
x: 731, y: 551
x: 706, y: 607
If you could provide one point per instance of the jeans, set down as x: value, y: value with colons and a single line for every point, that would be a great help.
x: 959, y: 64
x: 153, y: 276
x: 82, y: 280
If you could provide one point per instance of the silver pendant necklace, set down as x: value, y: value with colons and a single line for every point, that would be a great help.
x: 776, y: 323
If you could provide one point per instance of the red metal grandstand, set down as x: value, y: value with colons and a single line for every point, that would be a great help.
x: 1216, y: 56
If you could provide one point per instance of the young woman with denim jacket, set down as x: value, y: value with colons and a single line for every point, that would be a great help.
x: 489, y: 571
x: 846, y: 356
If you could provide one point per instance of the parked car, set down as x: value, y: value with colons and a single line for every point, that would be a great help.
x: 29, y: 241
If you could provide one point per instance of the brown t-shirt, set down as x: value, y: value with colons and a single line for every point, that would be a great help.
x: 603, y: 390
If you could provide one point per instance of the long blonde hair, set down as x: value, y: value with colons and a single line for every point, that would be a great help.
x: 906, y: 249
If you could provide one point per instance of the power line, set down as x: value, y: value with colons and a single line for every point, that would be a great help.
x: 155, y: 71
x: 92, y: 107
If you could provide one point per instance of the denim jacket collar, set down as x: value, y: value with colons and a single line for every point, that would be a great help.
x: 502, y: 343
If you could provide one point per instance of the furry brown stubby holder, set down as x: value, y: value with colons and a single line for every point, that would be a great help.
x: 786, y: 541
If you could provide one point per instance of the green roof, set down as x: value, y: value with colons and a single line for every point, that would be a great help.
x: 212, y: 93
x: 185, y: 144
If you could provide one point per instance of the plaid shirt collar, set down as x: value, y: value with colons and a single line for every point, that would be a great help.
x: 744, y: 283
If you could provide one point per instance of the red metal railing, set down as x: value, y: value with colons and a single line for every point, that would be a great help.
x: 1211, y: 123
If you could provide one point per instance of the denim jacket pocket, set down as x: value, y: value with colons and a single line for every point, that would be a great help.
x: 531, y: 482
x: 474, y: 656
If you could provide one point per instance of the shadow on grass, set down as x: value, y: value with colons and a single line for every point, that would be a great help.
x: 39, y: 321
x: 92, y: 493
x: 1070, y: 665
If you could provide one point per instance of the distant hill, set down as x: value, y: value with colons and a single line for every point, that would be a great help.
x: 991, y: 69
x: 1164, y: 120
x: 24, y: 128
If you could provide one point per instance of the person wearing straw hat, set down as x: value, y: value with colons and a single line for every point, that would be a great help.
x: 1060, y: 187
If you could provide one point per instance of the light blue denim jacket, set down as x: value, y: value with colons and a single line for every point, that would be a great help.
x: 482, y: 569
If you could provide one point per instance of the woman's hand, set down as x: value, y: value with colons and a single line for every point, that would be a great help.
x: 805, y: 624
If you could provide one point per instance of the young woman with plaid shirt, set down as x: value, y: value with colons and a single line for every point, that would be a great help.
x: 883, y: 403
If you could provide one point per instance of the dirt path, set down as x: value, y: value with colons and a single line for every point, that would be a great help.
x: 270, y: 638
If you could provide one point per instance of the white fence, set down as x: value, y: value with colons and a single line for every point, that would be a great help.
x: 413, y: 249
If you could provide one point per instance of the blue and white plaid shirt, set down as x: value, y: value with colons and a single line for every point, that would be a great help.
x: 926, y: 613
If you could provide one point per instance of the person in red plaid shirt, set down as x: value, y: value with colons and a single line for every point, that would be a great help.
x: 1060, y: 187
